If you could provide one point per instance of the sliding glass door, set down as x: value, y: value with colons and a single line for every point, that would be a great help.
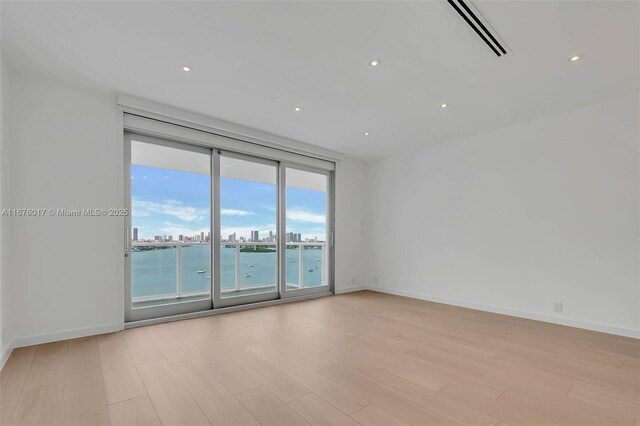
x: 248, y: 228
x: 213, y: 229
x: 308, y: 232
x: 168, y: 241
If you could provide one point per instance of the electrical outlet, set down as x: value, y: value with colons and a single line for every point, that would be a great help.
x: 557, y: 307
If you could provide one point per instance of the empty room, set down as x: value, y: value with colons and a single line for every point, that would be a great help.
x: 375, y: 213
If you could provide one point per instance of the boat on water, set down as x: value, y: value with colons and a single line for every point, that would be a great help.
x: 311, y: 270
x: 201, y: 271
x: 317, y: 260
x: 247, y: 275
x: 250, y: 266
x: 291, y: 260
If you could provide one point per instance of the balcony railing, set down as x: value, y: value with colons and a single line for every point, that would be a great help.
x: 238, y: 286
x: 301, y: 266
x: 179, y: 293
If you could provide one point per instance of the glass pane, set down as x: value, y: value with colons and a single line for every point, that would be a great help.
x: 248, y: 205
x: 154, y: 269
x: 228, y: 270
x: 258, y: 267
x: 293, y: 265
x: 171, y: 216
x: 196, y: 274
x: 306, y: 218
x: 313, y: 266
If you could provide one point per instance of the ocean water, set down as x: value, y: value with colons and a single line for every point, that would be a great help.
x: 154, y: 272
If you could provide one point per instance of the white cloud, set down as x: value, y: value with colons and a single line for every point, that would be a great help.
x: 297, y: 214
x: 168, y: 207
x: 234, y: 212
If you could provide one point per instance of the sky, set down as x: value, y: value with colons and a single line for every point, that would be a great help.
x: 170, y: 202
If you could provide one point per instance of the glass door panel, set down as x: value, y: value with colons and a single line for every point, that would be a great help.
x: 248, y: 224
x: 169, y: 248
x: 215, y: 229
x: 307, y: 231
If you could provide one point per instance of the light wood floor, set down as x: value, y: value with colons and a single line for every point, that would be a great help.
x: 361, y: 358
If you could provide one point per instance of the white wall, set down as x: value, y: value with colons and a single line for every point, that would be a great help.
x: 351, y: 203
x: 62, y: 270
x: 518, y: 218
x: 3, y: 200
x: 64, y: 280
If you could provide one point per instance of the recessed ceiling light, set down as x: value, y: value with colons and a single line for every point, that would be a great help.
x: 375, y: 62
x: 575, y: 58
x: 444, y: 106
x: 366, y: 133
x: 186, y: 68
x: 297, y: 109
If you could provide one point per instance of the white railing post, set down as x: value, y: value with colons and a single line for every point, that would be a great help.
x: 179, y: 270
x: 300, y: 265
x: 237, y: 266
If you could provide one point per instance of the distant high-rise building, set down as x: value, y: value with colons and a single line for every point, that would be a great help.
x: 201, y: 236
x: 290, y: 237
x: 181, y: 238
x: 255, y: 236
x: 299, y: 238
x: 232, y: 238
x: 270, y: 235
x: 170, y: 237
x: 135, y: 234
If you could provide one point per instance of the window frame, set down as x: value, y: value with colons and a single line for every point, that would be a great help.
x: 176, y: 135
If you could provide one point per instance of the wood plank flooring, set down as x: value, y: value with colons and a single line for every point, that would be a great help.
x: 363, y: 358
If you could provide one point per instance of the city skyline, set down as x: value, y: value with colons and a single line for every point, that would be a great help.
x: 255, y: 237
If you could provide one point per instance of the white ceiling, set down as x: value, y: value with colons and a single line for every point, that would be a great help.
x: 254, y: 61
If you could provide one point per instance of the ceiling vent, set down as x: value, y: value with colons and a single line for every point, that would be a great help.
x: 472, y: 17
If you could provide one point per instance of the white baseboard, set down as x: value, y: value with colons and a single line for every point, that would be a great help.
x: 58, y: 335
x: 5, y: 355
x: 351, y: 289
x: 588, y: 325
